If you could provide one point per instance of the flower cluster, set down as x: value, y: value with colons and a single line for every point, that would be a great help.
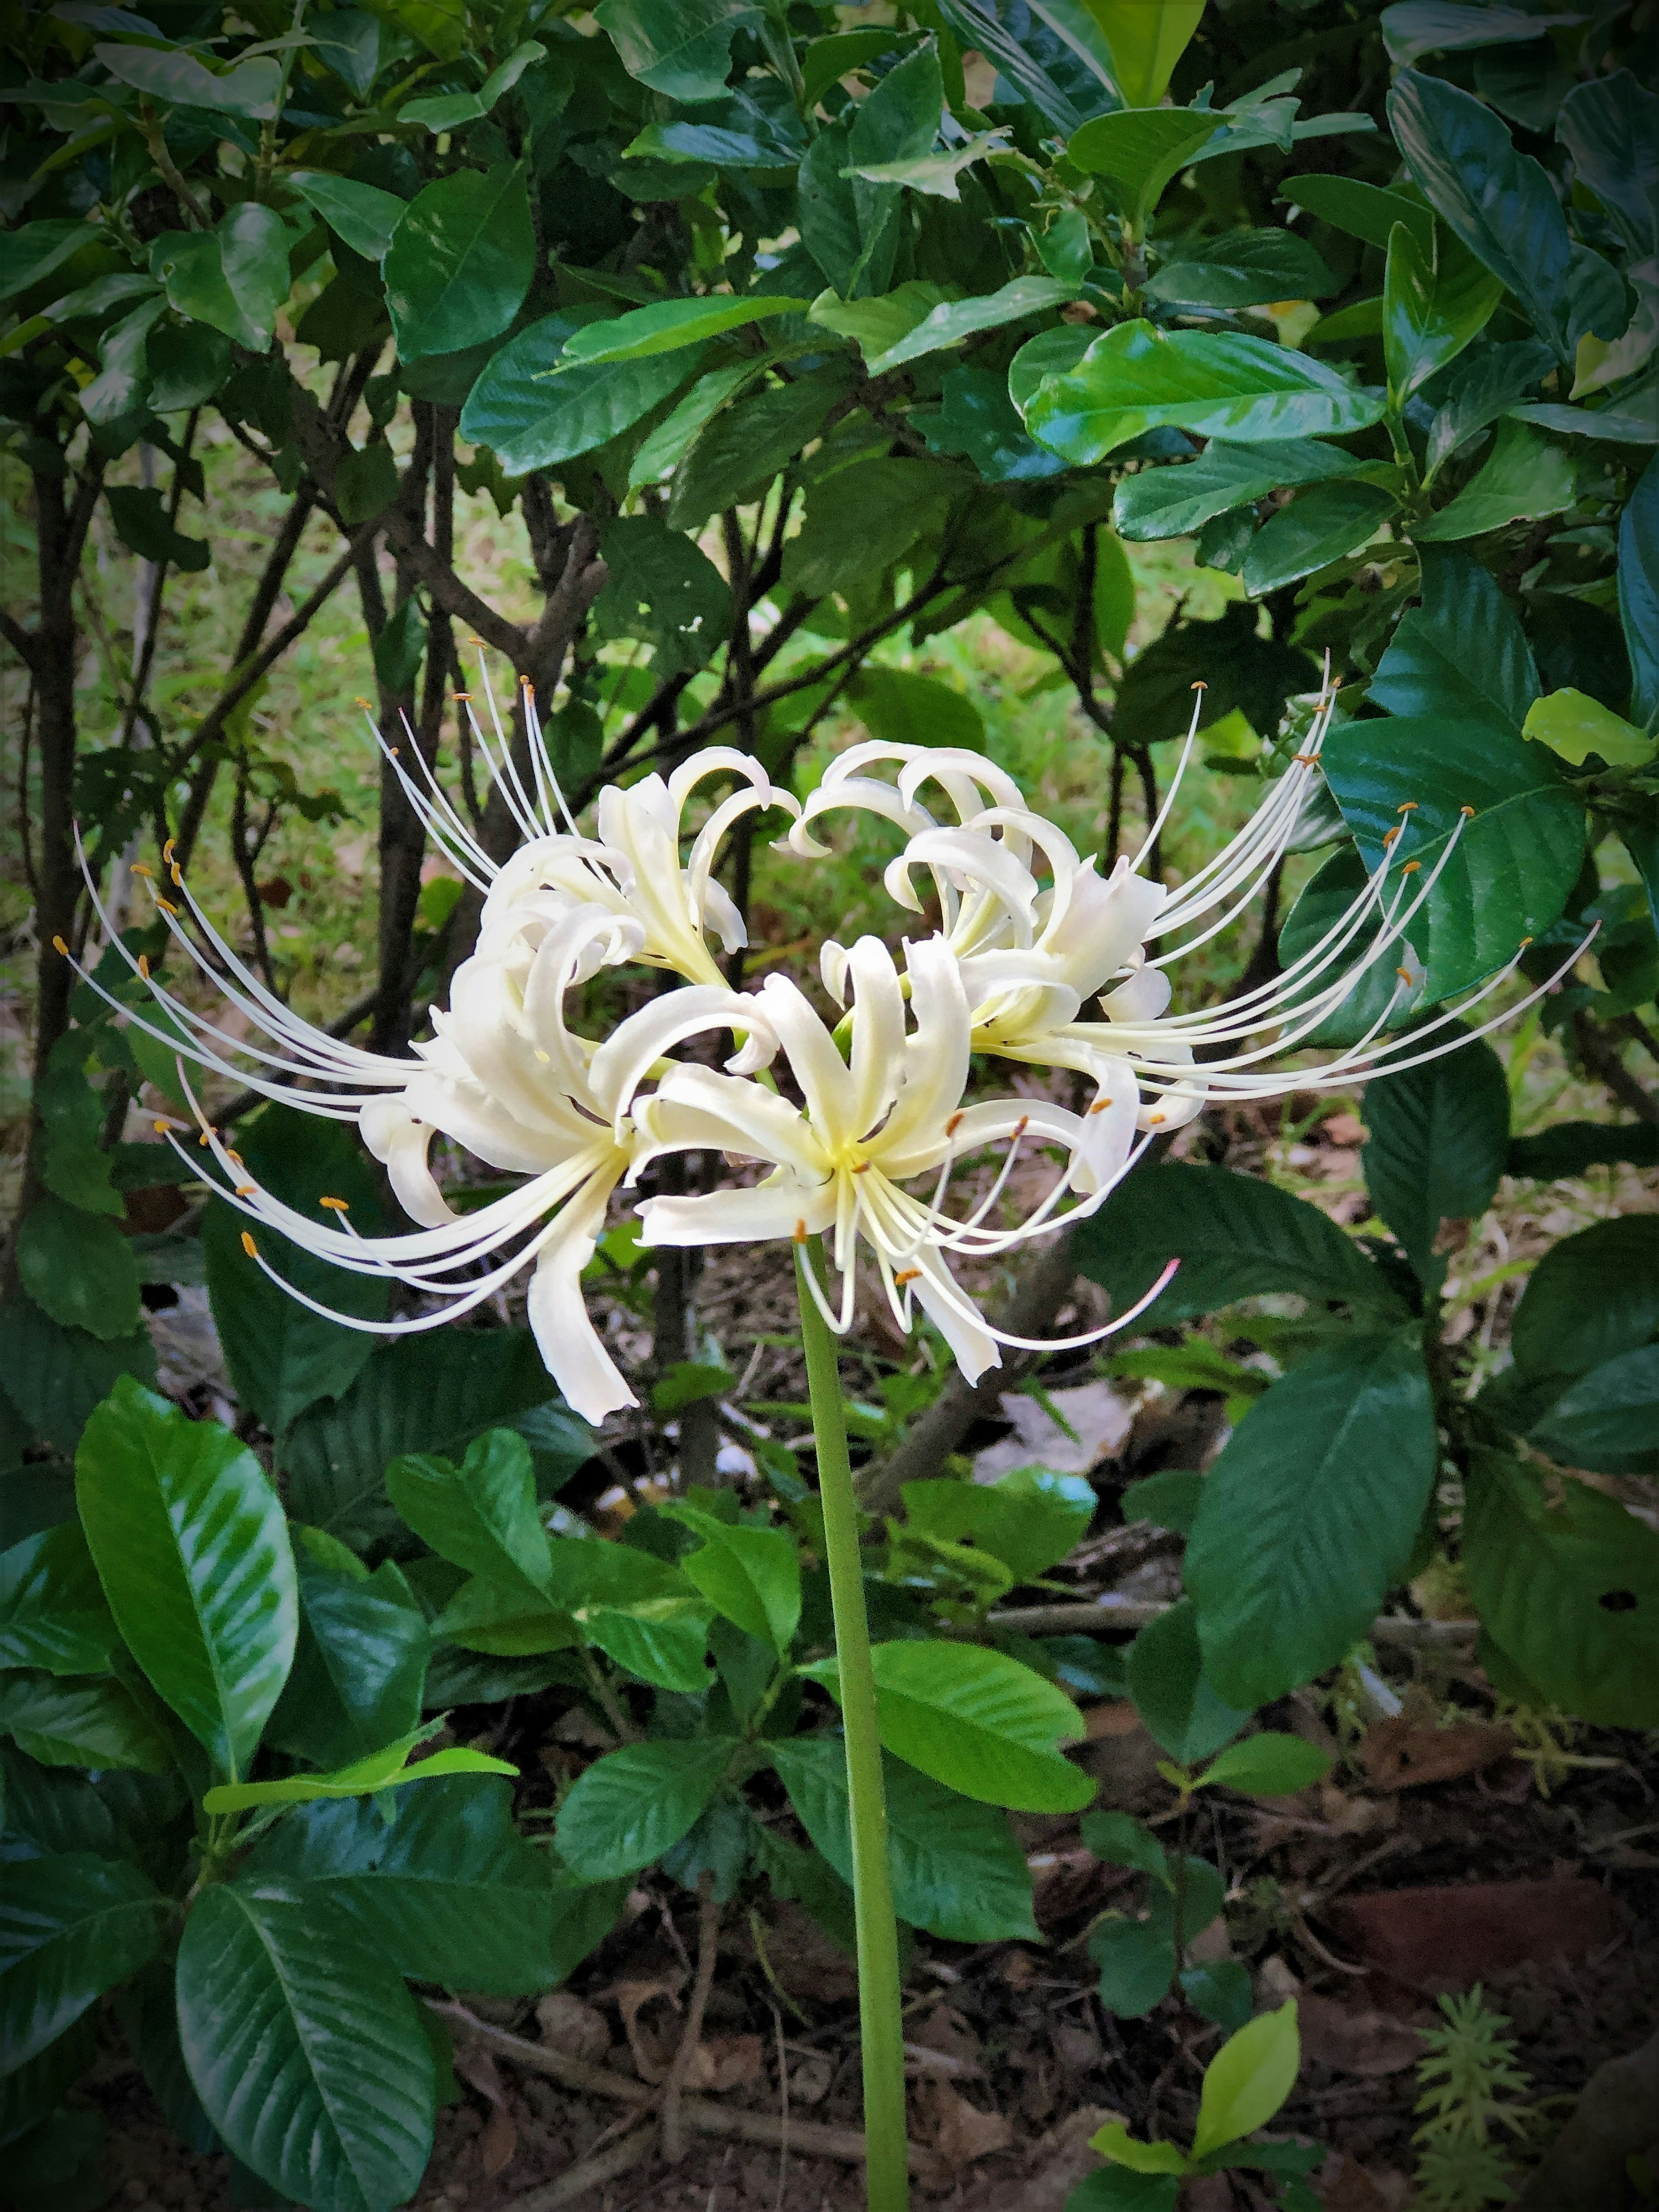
x: 858, y: 1128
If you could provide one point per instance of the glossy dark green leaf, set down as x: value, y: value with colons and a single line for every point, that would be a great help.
x: 1140, y: 150
x: 533, y: 414
x: 755, y: 129
x: 1136, y: 379
x: 1366, y: 211
x: 251, y: 89
x: 1611, y: 128
x: 1027, y: 1519
x: 71, y: 1928
x: 189, y: 1538
x: 669, y: 327
x: 56, y: 1376
x: 1462, y: 654
x: 34, y: 2088
x: 1321, y: 526
x: 750, y: 1575
x: 283, y: 1356
x: 1055, y: 55
x: 978, y: 418
x: 631, y: 1805
x: 1436, y: 1147
x: 1608, y: 1420
x: 1568, y: 1592
x: 950, y: 321
x: 35, y: 249
x: 900, y: 706
x: 1269, y: 1765
x: 79, y: 1269
x: 1572, y: 1148
x: 1433, y: 307
x: 482, y: 1516
x: 1518, y: 853
x: 348, y: 41
x: 862, y: 518
x: 1525, y: 476
x: 680, y: 47
x: 359, y: 1666
x: 319, y: 2075
x: 738, y: 451
x: 362, y: 215
x: 1168, y: 1500
x: 141, y: 524
x: 662, y: 588
x: 392, y: 1767
x: 1412, y: 28
x: 1183, y: 1712
x: 460, y: 262
x: 1236, y: 1238
x: 234, y: 276
x: 366, y: 482
x: 77, y: 1720
x: 1591, y: 1297
x: 1241, y: 269
x: 449, y: 1891
x: 1309, y: 1515
x: 1137, y: 1962
x: 1500, y: 202
x: 52, y: 1613
x: 150, y: 2020
x: 1638, y: 593
x: 503, y: 1619
x: 957, y: 1869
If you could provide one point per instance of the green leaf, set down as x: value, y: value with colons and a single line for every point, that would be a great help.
x: 936, y: 174
x: 459, y: 263
x: 1183, y: 1713
x: 52, y: 1613
x: 35, y: 2087
x: 438, y: 24
x: 389, y: 1768
x: 1140, y: 149
x: 365, y: 483
x: 1572, y: 1148
x: 319, y: 2077
x: 1607, y: 1421
x: 1267, y: 1765
x: 1430, y: 312
x: 877, y: 324
x: 79, y: 1269
x: 1234, y: 1237
x: 1461, y: 655
x: 1638, y: 593
x: 1501, y: 203
x: 33, y: 252
x: 1487, y: 385
x: 949, y: 321
x: 55, y: 1376
x: 504, y: 1620
x: 1146, y: 44
x: 680, y: 47
x: 1242, y: 269
x: 900, y: 706
x: 1114, y: 2141
x: 1525, y: 476
x: 191, y: 1547
x: 252, y: 88
x: 1175, y: 501
x: 662, y: 587
x: 1591, y: 1297
x: 631, y: 1805
x: 284, y: 1358
x: 449, y: 1891
x: 150, y: 2020
x: 1324, y: 525
x: 1168, y: 1500
x: 1569, y: 1593
x: 957, y: 1869
x: 1028, y: 1518
x: 71, y: 1928
x: 750, y: 1575
x: 667, y: 445
x: 861, y: 520
x: 1249, y: 2079
x: 1220, y: 1991
x: 1366, y: 211
x: 1428, y: 26
x: 532, y: 413
x: 755, y: 129
x: 234, y: 276
x: 669, y: 327
x: 359, y: 1666
x: 141, y: 524
x: 1518, y: 854
x: 482, y: 1516
x: 1574, y: 726
x: 72, y: 1721
x: 976, y: 1721
x: 648, y: 1616
x: 1136, y: 379
x: 1122, y: 1840
x: 361, y: 215
x: 740, y: 450
x: 1309, y: 1515
x: 401, y: 646
x: 1611, y: 126
x: 1437, y: 1146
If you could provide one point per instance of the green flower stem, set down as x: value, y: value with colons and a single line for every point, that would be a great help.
x: 887, y: 2179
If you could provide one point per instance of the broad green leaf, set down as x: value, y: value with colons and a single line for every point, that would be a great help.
x: 449, y: 1891
x: 1139, y: 151
x: 1629, y: 420
x: 252, y: 88
x: 388, y: 1768
x: 1122, y: 1840
x: 680, y: 47
x: 1146, y: 44
x: 1611, y: 128
x: 1366, y: 211
x: 1437, y: 1146
x: 756, y: 128
x: 1638, y: 593
x: 504, y: 1620
x: 1267, y: 1765
x: 1242, y: 269
x: 54, y: 1376
x: 1175, y: 501
x: 1574, y: 726
x: 460, y: 262
x: 957, y: 1869
x: 952, y: 321
x: 1310, y: 1513
x: 141, y: 524
x: 827, y: 59
x: 1137, y: 1963
x: 1487, y: 385
x: 877, y: 324
x: 1412, y: 28
x: 663, y: 1643
x: 1591, y: 1297
x: 1234, y: 1237
x: 359, y: 1666
x: 1050, y: 353
x: 481, y: 1515
x: 976, y: 1721
x: 1136, y: 379
x: 52, y: 1613
x: 362, y: 215
x: 1183, y: 1712
x: 79, y: 1269
x: 234, y: 276
x: 35, y: 249
x: 631, y: 1805
x: 34, y: 2088
x: 532, y: 415
x: 937, y: 175
x: 1518, y: 853
x: 737, y: 453
x: 977, y: 417
x: 1249, y: 2079
x: 1608, y: 1420
x: 663, y: 588
x: 1526, y: 475
x: 1028, y: 1518
x: 319, y: 2078
x: 348, y: 41
x: 1114, y: 2141
x: 190, y: 1547
x: 750, y: 1575
x: 1054, y: 53
x: 861, y: 520
x: 1501, y: 203
x: 1168, y: 1500
x: 1324, y: 525
x: 665, y: 446
x: 365, y: 485
x: 1572, y: 1148
x: 71, y: 1928
x: 451, y: 110
x: 1569, y: 1593
x: 1461, y: 655
x: 1220, y: 1990
x: 900, y: 706
x: 1431, y: 311
x: 79, y: 1721
x: 669, y: 327
x: 150, y: 2020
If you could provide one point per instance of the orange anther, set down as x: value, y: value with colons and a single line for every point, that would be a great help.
x: 1409, y: 807
x: 459, y: 696
x: 247, y: 1189
x: 1467, y: 812
x: 138, y: 869
x: 166, y: 906
x: 362, y: 702
x: 1404, y: 974
x: 249, y: 1246
x: 206, y: 1137
x: 1525, y: 942
x: 907, y: 1275
x: 1022, y: 1125
x: 1152, y: 1120
x: 236, y: 1157
x: 143, y: 965
x: 59, y: 946
x: 1389, y: 835
x: 1411, y: 867
x: 1200, y: 685
x: 953, y: 1124
x: 178, y: 875
x: 800, y: 1232
x: 335, y: 1204
x: 167, y: 851
x: 863, y: 1168
x: 1100, y: 1105
x: 162, y: 1128
x: 1306, y: 759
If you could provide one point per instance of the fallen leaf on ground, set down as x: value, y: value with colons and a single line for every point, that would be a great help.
x: 1357, y: 1816
x: 1342, y: 2184
x: 726, y: 2062
x: 810, y: 2078
x: 1402, y: 1754
x: 653, y: 2055
x: 498, y: 2140
x: 1099, y: 1419
x: 1353, y: 2040
x: 1443, y: 1939
x: 947, y: 2030
x: 574, y: 2027
x: 960, y: 2132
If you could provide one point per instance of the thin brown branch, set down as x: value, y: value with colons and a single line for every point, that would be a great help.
x: 708, y: 1930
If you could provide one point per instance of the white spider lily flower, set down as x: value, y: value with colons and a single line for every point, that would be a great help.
x: 869, y: 1124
